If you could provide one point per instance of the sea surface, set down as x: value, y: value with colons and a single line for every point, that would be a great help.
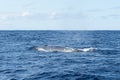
x: 20, y: 61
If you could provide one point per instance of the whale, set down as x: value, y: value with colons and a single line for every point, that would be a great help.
x: 55, y: 49
x: 48, y: 48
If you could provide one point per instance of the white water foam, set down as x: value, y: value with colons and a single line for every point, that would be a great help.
x: 87, y: 49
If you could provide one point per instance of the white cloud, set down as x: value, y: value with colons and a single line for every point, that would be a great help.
x: 5, y: 16
x: 52, y: 15
x: 25, y: 13
x: 41, y: 16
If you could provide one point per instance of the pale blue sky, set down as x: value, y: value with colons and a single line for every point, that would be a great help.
x: 60, y: 14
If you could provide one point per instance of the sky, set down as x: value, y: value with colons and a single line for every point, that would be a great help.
x: 59, y: 14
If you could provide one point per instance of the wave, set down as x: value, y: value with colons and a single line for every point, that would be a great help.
x: 48, y: 48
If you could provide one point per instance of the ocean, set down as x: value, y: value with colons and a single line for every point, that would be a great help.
x: 23, y: 55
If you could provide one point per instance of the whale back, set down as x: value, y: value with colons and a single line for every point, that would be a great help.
x: 62, y: 49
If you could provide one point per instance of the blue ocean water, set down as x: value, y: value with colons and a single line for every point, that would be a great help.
x: 19, y: 61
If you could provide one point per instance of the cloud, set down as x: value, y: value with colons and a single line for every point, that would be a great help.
x: 5, y: 16
x: 96, y: 10
x: 116, y: 16
x: 105, y: 9
x: 25, y: 14
x: 118, y: 7
x: 52, y: 15
x: 41, y: 17
x: 112, y: 16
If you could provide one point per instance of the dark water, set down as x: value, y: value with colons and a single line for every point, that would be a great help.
x: 18, y: 61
